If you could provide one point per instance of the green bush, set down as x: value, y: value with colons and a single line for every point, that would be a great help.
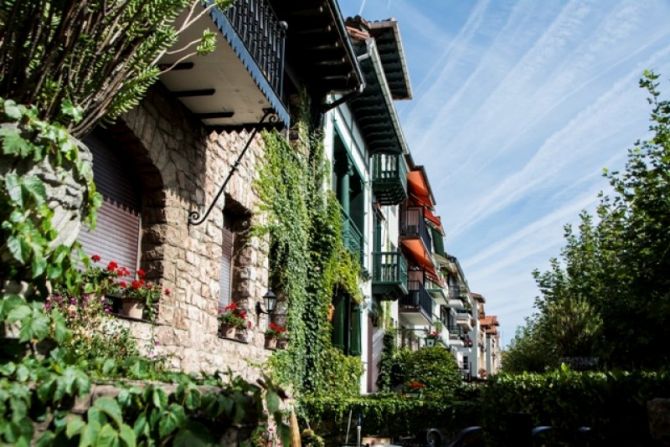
x: 612, y: 403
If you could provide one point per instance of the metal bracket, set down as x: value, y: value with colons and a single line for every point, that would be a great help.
x: 194, y: 216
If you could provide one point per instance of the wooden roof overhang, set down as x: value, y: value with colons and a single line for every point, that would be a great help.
x: 237, y: 83
x: 389, y: 44
x: 318, y: 49
x: 373, y: 109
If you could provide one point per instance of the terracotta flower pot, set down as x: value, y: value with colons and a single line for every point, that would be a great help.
x: 228, y: 331
x: 132, y: 308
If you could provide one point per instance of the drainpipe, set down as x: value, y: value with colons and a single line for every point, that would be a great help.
x: 355, y: 91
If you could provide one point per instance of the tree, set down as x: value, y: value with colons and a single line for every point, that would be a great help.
x: 609, y: 294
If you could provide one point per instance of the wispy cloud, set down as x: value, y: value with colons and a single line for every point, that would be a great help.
x: 518, y: 106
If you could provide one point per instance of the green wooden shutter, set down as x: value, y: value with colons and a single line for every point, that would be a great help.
x: 355, y: 345
x: 339, y: 322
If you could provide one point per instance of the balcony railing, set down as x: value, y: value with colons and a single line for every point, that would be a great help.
x: 263, y: 35
x: 389, y: 178
x: 389, y: 269
x: 353, y: 238
x: 417, y: 300
x: 412, y: 224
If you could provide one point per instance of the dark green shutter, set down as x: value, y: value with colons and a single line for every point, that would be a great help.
x: 355, y: 346
x: 438, y: 241
x: 339, y: 322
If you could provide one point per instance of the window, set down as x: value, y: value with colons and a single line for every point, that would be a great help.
x: 117, y: 233
x: 228, y: 244
x: 347, y: 325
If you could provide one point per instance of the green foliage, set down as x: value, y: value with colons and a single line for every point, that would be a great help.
x: 386, y: 363
x: 78, y: 62
x: 387, y: 415
x: 609, y: 296
x: 193, y: 410
x: 612, y: 403
x: 435, y: 368
x: 309, y: 262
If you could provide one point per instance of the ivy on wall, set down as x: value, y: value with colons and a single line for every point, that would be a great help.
x: 308, y: 260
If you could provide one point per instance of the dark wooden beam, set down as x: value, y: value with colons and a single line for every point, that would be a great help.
x: 190, y: 93
x: 211, y: 115
x: 180, y: 66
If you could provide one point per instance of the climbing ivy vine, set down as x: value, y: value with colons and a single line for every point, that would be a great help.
x: 308, y: 259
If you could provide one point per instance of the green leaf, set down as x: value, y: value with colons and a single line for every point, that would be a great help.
x: 74, y: 112
x: 12, y: 111
x: 61, y: 332
x: 273, y: 402
x: 194, y: 434
x: 35, y: 325
x: 75, y: 425
x: 35, y: 188
x: 18, y: 248
x: 13, y: 185
x: 111, y: 408
x: 46, y: 440
x: 127, y: 436
x: 159, y: 398
x: 107, y: 437
x: 19, y: 313
x: 90, y: 433
x: 13, y: 143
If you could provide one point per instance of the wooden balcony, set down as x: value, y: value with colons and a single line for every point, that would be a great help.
x: 389, y: 178
x: 416, y: 308
x: 389, y: 275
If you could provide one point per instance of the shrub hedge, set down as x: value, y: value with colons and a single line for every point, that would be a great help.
x: 612, y: 403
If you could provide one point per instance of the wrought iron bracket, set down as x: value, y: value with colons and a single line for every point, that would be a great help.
x: 194, y: 217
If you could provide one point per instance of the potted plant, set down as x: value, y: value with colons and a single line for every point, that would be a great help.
x: 272, y: 334
x: 282, y: 340
x: 232, y: 320
x: 431, y: 338
x: 136, y: 295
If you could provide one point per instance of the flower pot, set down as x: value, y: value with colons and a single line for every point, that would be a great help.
x: 132, y: 308
x: 228, y: 331
x: 270, y: 342
x: 241, y: 334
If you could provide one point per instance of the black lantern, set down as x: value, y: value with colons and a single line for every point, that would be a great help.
x: 270, y: 300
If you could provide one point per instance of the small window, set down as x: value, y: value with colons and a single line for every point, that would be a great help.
x: 228, y: 244
x: 116, y: 236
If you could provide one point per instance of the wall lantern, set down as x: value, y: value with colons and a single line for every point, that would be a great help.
x: 270, y: 300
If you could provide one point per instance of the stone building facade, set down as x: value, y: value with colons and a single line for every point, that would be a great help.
x: 180, y: 168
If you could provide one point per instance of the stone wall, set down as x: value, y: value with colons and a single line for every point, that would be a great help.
x: 182, y: 168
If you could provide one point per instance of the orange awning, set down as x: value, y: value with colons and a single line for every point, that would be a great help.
x: 435, y: 220
x: 418, y: 188
x: 418, y: 254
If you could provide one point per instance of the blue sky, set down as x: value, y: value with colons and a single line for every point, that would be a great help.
x: 518, y: 106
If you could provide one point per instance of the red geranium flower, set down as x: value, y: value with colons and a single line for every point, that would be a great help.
x: 123, y: 284
x: 112, y: 266
x: 141, y: 273
x: 123, y: 271
x: 167, y: 292
x: 95, y: 258
x: 136, y: 284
